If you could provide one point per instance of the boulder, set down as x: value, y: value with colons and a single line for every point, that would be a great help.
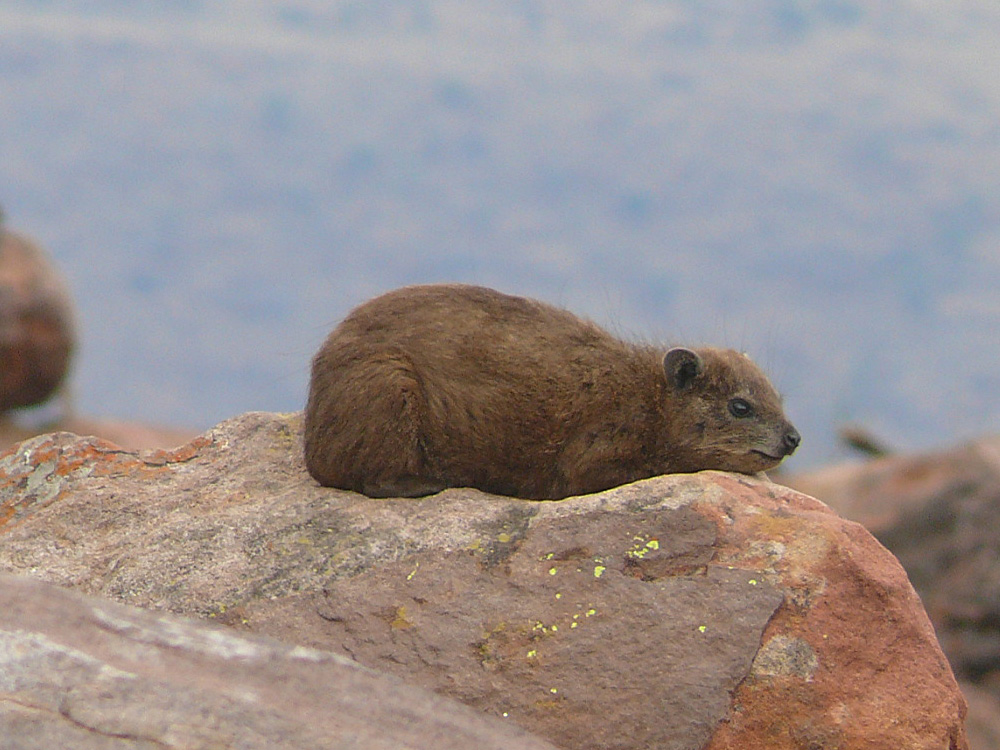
x: 82, y: 673
x: 939, y: 514
x: 688, y: 611
x: 36, y: 324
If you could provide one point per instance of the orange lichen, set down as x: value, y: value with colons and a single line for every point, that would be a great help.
x: 33, y: 474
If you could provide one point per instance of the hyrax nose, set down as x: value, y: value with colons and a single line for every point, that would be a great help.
x: 790, y: 440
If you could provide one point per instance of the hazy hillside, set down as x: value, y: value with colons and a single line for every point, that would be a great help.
x: 813, y: 181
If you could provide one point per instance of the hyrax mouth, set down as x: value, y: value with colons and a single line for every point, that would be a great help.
x: 786, y: 445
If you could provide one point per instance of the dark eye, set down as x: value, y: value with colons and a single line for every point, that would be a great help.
x: 740, y: 408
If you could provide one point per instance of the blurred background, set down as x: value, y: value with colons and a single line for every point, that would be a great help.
x: 812, y: 181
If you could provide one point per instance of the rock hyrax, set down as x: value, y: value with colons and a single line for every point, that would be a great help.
x: 448, y: 385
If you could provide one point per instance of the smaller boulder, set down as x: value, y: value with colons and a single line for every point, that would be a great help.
x: 36, y: 323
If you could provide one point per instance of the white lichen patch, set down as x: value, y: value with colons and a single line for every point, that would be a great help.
x: 771, y: 550
x: 180, y: 635
x: 785, y: 656
x: 26, y: 656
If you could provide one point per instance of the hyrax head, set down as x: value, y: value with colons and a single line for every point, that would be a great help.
x: 726, y: 415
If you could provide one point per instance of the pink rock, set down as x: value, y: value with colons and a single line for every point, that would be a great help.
x: 688, y: 611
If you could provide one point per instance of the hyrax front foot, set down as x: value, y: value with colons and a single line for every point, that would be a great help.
x: 408, y: 486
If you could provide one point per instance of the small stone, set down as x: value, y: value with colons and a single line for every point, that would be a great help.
x: 36, y: 324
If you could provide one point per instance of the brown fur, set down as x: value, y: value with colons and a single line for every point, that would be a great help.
x: 439, y: 386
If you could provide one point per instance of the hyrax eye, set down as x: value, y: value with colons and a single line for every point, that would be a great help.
x: 740, y: 408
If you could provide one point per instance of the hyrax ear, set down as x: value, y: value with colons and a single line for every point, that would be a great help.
x: 682, y: 366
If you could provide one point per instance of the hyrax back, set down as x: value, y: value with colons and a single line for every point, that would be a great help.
x: 448, y: 385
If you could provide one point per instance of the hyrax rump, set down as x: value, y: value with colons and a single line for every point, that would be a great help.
x: 448, y: 385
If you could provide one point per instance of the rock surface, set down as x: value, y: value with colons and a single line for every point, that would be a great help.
x: 81, y: 673
x: 689, y: 611
x: 36, y: 324
x: 940, y: 514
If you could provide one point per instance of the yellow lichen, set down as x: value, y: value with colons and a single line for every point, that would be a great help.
x: 543, y: 628
x: 401, y: 621
x: 642, y: 547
